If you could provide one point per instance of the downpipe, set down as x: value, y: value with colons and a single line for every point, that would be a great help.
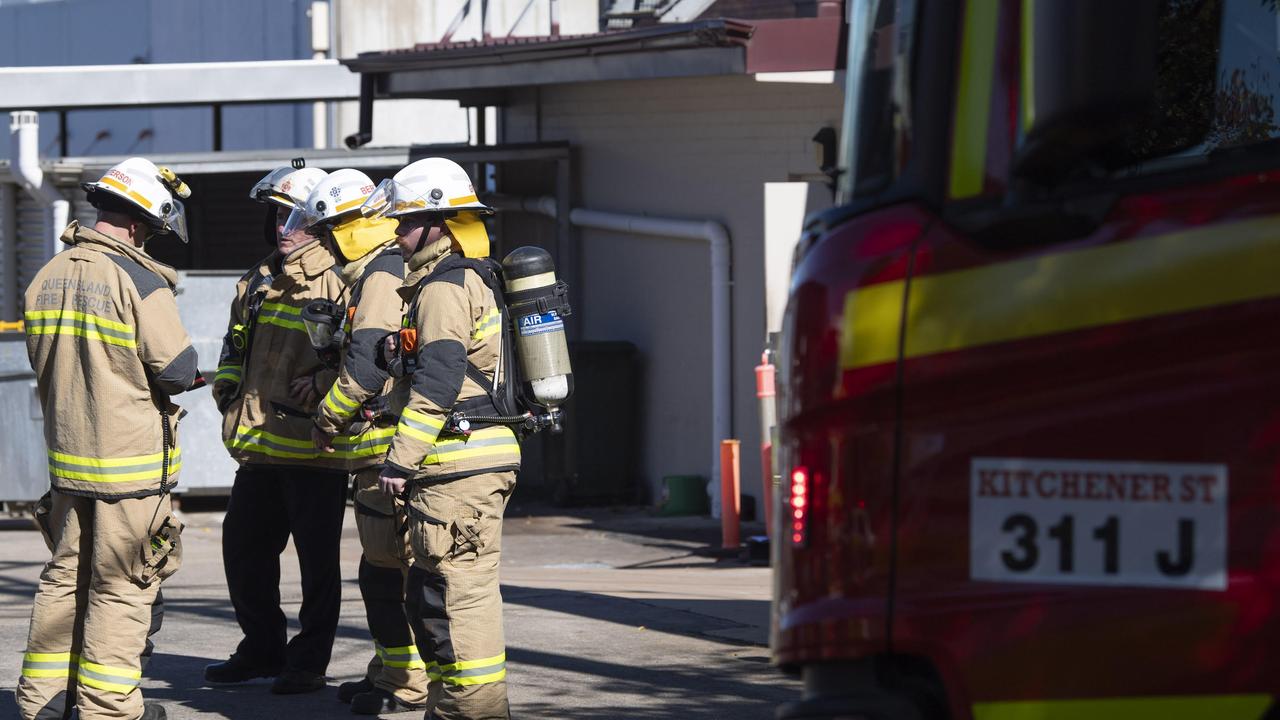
x: 716, y: 236
x: 24, y: 166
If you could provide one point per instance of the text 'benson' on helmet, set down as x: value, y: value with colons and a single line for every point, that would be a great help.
x: 287, y: 186
x: 340, y: 193
x: 434, y: 185
x: 145, y: 191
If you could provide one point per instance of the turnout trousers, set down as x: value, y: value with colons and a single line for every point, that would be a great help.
x: 397, y: 665
x: 455, y: 605
x: 268, y: 504
x: 96, y: 606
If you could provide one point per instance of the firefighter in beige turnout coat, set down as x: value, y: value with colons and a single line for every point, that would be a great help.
x: 396, y: 678
x: 268, y: 384
x: 458, y: 484
x: 108, y: 349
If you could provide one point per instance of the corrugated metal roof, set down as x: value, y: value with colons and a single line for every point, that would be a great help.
x: 701, y: 33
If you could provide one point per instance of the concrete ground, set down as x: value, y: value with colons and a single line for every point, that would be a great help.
x: 608, y: 615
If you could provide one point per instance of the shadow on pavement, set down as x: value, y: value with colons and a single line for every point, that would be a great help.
x: 641, y: 522
x: 184, y: 677
x: 722, y: 691
x: 699, y: 618
x: 220, y: 609
x: 12, y: 586
x: 17, y: 523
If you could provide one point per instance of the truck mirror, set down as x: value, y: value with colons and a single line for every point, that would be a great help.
x: 1088, y: 69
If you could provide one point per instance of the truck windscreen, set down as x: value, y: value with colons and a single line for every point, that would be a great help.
x: 1217, y: 84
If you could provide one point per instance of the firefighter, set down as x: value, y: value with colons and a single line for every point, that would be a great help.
x: 267, y: 386
x: 458, y: 484
x: 373, y: 270
x: 108, y: 350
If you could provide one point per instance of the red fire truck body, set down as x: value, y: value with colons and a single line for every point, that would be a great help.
x: 1029, y: 398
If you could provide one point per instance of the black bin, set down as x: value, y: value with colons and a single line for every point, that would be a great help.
x: 596, y: 460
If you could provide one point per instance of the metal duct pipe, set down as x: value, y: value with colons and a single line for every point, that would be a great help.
x: 9, y: 289
x: 717, y: 238
x: 24, y: 166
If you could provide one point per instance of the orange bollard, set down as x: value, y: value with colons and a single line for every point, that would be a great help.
x: 730, y: 486
x: 765, y: 392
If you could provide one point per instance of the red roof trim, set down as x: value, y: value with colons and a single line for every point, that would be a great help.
x: 796, y: 45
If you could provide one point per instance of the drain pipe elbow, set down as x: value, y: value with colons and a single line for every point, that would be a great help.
x: 716, y: 236
x: 24, y: 166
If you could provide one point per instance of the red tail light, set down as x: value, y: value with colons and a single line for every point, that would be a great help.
x: 799, y: 505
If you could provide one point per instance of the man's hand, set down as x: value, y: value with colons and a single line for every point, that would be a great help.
x: 303, y: 389
x: 322, y: 439
x: 391, y: 483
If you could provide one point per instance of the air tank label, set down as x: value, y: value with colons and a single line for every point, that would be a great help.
x: 539, y: 324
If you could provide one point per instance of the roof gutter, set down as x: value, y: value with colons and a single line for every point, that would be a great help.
x: 24, y: 149
x: 716, y: 236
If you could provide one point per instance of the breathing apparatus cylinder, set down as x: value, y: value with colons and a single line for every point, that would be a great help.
x: 538, y: 303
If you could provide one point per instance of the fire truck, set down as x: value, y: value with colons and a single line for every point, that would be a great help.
x: 1029, y: 378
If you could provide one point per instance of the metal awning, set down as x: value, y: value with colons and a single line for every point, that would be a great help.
x: 70, y: 169
x: 482, y: 72
x: 79, y: 87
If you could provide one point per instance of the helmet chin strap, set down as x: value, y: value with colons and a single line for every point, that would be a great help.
x: 140, y: 238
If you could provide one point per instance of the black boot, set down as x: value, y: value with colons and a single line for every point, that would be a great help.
x: 348, y: 690
x: 236, y: 670
x: 380, y: 702
x: 153, y: 711
x: 296, y: 682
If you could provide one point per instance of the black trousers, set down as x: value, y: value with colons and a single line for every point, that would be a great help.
x: 268, y: 504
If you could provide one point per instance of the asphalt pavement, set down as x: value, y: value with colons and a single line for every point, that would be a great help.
x: 609, y: 614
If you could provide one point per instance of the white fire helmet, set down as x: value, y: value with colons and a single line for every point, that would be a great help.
x: 152, y: 192
x: 339, y: 194
x: 429, y: 185
x: 287, y: 186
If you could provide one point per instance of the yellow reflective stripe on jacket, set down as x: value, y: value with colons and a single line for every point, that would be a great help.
x: 401, y: 657
x: 487, y: 442
x: 261, y: 441
x: 230, y: 373
x: 487, y: 325
x: 419, y: 426
x: 106, y: 677
x: 279, y: 314
x: 337, y: 401
x: 473, y: 672
x: 112, y: 470
x: 370, y: 443
x: 49, y: 665
x: 1173, y: 707
x: 70, y: 322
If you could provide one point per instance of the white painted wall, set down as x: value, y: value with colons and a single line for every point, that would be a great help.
x: 696, y: 148
x: 379, y: 25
